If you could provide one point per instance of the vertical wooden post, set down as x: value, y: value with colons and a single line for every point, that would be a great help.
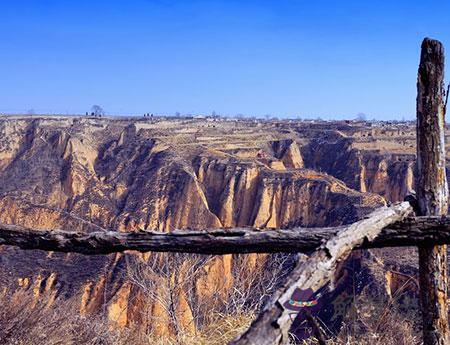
x: 432, y: 190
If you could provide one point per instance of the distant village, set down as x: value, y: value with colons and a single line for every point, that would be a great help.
x: 97, y: 111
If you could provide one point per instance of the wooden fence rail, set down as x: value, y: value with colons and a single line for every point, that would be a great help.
x: 412, y: 231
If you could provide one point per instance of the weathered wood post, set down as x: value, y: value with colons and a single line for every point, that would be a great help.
x: 432, y: 190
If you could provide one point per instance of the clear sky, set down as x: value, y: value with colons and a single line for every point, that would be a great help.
x: 312, y: 58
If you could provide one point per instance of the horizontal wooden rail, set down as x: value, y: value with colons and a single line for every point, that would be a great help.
x: 412, y: 231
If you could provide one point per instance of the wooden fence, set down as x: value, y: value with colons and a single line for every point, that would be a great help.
x: 421, y: 223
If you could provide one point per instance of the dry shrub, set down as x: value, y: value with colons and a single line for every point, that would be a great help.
x: 373, y: 319
x: 222, y: 314
x: 25, y: 321
x: 218, y: 318
x: 225, y: 328
x: 377, y: 319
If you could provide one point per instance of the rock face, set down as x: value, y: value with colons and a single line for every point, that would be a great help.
x: 132, y: 175
x: 289, y: 153
x: 388, y: 174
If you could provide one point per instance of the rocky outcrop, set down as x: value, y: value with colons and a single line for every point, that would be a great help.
x: 132, y: 176
x: 288, y: 152
x: 389, y: 175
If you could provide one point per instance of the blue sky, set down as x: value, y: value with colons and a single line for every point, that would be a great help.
x: 331, y: 59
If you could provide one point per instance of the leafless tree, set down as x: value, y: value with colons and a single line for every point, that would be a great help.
x: 167, y: 279
x: 97, y: 110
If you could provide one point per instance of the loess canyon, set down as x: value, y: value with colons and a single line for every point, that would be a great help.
x: 131, y: 174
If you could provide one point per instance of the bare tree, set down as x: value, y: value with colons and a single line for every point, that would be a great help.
x: 165, y: 279
x: 97, y: 110
x: 177, y: 282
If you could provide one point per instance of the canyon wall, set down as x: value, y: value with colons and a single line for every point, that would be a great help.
x: 134, y: 175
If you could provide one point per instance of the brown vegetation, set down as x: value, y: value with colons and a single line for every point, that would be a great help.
x: 165, y: 283
x: 373, y: 319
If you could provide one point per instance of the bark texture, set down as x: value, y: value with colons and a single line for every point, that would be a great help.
x: 273, y: 324
x: 411, y: 231
x: 432, y: 189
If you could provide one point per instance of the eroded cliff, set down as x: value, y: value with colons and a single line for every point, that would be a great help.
x: 134, y: 175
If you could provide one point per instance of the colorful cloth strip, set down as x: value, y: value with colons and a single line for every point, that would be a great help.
x: 303, y: 304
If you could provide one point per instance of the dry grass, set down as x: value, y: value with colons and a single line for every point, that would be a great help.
x: 25, y: 322
x: 224, y: 328
x: 379, y: 320
x: 218, y: 318
x: 374, y: 318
